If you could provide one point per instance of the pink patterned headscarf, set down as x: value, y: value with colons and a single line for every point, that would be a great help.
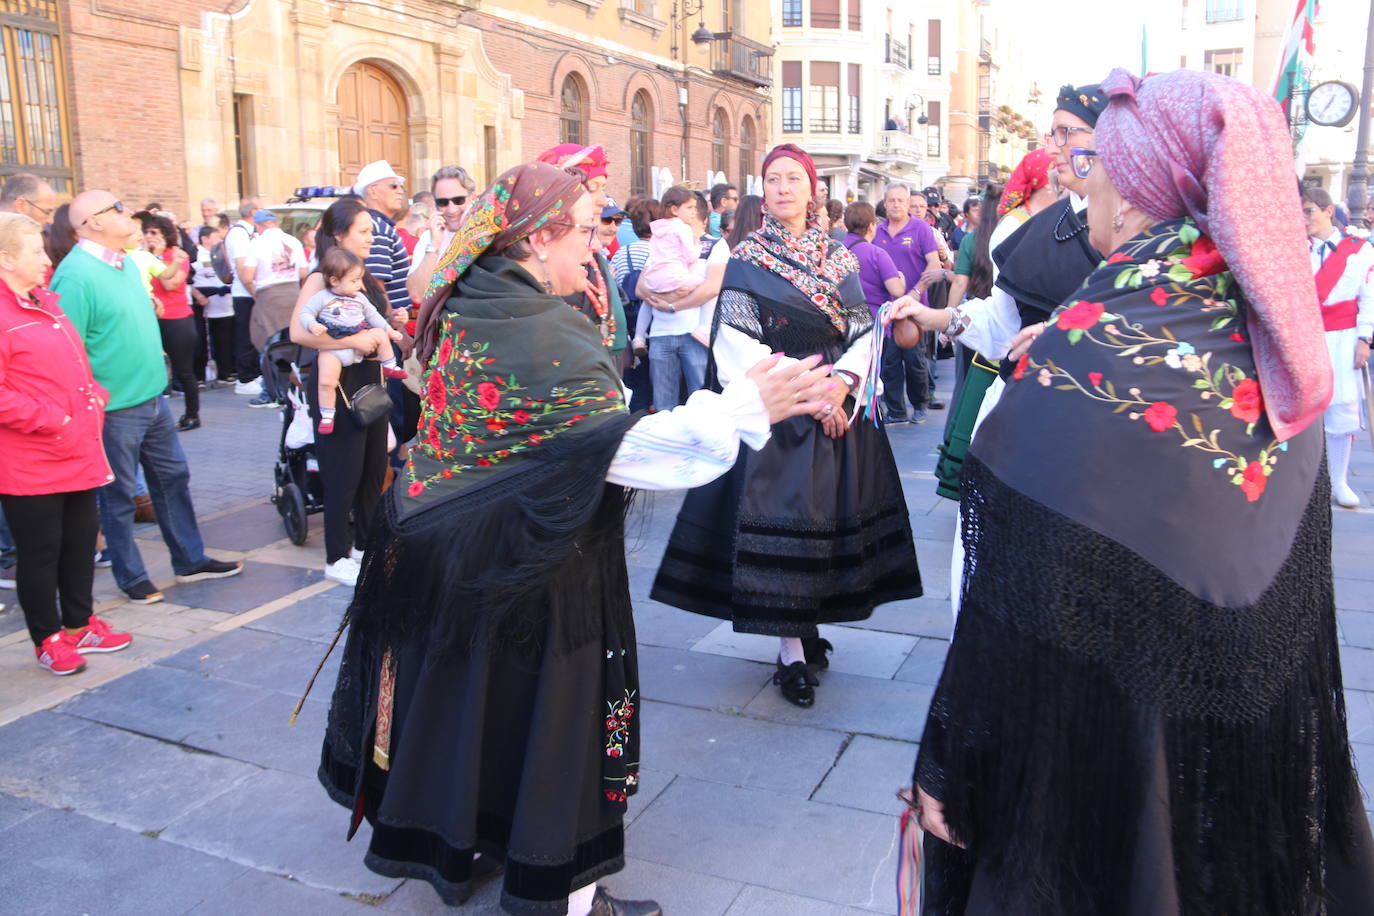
x: 1188, y: 143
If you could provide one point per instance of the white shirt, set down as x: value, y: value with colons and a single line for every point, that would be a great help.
x: 236, y: 242
x: 203, y: 276
x: 1357, y: 282
x: 685, y: 321
x: 276, y: 258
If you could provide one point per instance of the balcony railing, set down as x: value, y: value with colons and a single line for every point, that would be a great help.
x: 897, y: 146
x: 743, y: 59
x: 896, y: 53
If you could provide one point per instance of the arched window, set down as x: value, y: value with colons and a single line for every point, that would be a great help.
x: 746, y: 153
x: 572, y: 113
x: 640, y: 121
x: 718, y: 141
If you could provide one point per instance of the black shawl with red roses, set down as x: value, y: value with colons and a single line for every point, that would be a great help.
x: 1147, y: 584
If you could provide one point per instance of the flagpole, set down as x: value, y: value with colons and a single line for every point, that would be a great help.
x: 1357, y: 197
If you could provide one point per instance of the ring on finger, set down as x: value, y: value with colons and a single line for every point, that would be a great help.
x: 828, y: 409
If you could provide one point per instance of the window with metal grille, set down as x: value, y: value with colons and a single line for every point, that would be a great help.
x: 933, y: 137
x: 746, y: 151
x: 1225, y: 10
x: 855, y: 107
x: 791, y: 12
x: 34, y: 130
x: 856, y: 23
x: 1225, y: 61
x: 791, y: 96
x: 718, y: 141
x: 933, y: 47
x: 824, y: 112
x: 572, y: 111
x: 640, y: 121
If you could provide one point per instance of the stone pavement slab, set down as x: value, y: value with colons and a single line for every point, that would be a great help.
x: 857, y: 651
x: 853, y: 704
x: 285, y: 824
x: 261, y: 733
x: 261, y: 892
x: 258, y: 584
x: 13, y: 810
x: 915, y: 616
x: 699, y: 678
x: 737, y: 751
x: 759, y: 901
x: 253, y: 526
x: 73, y: 864
x: 315, y: 618
x: 925, y: 662
x: 868, y: 775
x: 127, y: 779
x: 164, y: 703
x: 748, y: 835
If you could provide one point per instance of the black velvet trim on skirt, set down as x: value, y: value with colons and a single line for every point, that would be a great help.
x: 809, y: 530
x: 524, y: 750
x: 1105, y: 742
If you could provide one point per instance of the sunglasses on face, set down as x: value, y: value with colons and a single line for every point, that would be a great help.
x: 1081, y: 160
x: 117, y: 206
x: 450, y: 201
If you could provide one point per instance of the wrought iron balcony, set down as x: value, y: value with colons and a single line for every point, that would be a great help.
x: 743, y: 59
x: 896, y: 53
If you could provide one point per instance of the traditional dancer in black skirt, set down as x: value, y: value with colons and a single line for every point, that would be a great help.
x: 488, y: 701
x: 813, y: 528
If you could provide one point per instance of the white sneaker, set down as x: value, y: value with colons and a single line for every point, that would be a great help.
x: 253, y: 388
x: 356, y: 554
x: 343, y: 570
x: 1346, y: 498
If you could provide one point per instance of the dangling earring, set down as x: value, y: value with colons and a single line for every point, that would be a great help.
x: 544, y: 267
x: 1118, y: 221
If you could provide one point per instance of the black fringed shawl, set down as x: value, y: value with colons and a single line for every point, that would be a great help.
x: 522, y: 415
x: 1147, y: 619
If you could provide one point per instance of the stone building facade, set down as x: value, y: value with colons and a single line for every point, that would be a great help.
x: 193, y: 99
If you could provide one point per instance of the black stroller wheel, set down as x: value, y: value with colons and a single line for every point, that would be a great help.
x: 291, y: 505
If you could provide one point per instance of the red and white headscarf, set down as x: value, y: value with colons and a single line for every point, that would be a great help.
x: 1211, y: 147
x: 1032, y: 173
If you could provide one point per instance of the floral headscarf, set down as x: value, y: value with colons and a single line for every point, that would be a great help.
x: 1210, y: 147
x: 522, y: 201
x: 590, y: 160
x: 1032, y: 173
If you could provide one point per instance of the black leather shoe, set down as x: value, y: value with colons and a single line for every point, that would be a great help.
x: 797, y: 682
x: 937, y: 405
x: 817, y: 651
x: 188, y: 423
x: 603, y: 904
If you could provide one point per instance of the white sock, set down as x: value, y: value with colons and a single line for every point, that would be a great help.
x: 580, y: 900
x: 791, y: 650
x: 1338, y: 459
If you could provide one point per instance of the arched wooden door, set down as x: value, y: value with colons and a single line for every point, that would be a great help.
x: 373, y: 121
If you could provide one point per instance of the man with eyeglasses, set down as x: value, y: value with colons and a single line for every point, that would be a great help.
x: 453, y: 190
x: 384, y: 193
x: 1344, y: 267
x: 724, y: 198
x: 29, y: 195
x: 104, y: 297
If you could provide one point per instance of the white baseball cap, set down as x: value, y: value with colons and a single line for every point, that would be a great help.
x: 374, y: 171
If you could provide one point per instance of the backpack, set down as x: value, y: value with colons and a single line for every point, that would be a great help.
x: 219, y: 258
x: 219, y: 262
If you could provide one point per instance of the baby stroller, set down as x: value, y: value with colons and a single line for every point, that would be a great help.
x: 298, y: 492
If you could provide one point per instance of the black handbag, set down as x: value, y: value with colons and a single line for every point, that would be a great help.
x: 369, y: 403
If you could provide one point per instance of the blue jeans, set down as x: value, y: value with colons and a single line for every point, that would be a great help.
x: 145, y: 436
x: 677, y: 358
x: 7, y: 549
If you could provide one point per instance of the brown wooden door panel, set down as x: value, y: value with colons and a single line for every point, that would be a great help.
x: 372, y: 121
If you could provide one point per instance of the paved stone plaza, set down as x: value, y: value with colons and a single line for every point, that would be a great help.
x: 165, y: 779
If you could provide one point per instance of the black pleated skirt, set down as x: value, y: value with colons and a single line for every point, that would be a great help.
x: 808, y: 530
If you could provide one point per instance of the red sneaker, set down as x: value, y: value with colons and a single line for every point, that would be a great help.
x: 326, y: 426
x: 96, y: 636
x: 59, y: 656
x: 394, y: 372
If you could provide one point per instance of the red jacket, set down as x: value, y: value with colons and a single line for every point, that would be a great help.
x: 44, y: 377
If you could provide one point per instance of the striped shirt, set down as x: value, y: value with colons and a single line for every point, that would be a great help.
x: 388, y: 261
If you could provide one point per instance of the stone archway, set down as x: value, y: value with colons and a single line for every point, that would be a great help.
x: 373, y: 121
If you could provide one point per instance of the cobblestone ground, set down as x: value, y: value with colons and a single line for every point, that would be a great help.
x: 165, y: 779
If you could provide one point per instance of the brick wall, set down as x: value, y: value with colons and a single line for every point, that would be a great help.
x: 538, y: 64
x: 123, y: 98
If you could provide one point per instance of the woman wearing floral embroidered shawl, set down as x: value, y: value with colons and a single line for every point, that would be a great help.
x: 1141, y: 710
x: 813, y: 528
x: 487, y: 699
